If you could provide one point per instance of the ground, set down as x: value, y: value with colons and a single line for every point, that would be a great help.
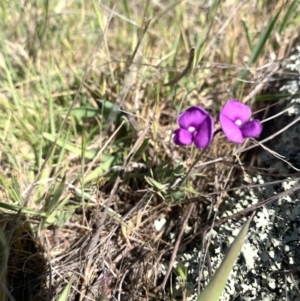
x: 97, y: 202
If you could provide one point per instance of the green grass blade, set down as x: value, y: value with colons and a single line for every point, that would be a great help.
x: 246, y: 29
x: 3, y: 254
x: 287, y: 16
x: 65, y: 294
x: 89, y: 154
x: 56, y: 197
x: 217, y: 283
x: 274, y: 97
x: 99, y: 171
x: 25, y: 210
x: 257, y: 49
x: 262, y: 40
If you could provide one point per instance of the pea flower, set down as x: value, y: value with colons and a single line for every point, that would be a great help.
x: 195, y: 126
x: 236, y: 124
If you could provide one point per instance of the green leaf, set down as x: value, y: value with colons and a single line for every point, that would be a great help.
x: 90, y: 112
x: 216, y: 284
x: 83, y: 112
x: 100, y: 170
x: 59, y: 217
x: 142, y: 148
x: 158, y: 186
x: 181, y: 271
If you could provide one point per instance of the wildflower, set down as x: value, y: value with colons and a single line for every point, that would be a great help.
x: 236, y: 124
x: 196, y: 125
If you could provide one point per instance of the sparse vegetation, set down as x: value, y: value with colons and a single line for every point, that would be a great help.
x: 94, y: 193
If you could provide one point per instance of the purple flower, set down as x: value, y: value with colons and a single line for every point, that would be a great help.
x: 196, y: 125
x: 235, y: 122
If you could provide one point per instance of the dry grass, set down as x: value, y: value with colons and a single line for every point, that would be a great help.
x: 92, y: 199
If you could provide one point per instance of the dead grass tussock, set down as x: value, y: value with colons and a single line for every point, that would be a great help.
x: 44, y: 62
x: 27, y: 268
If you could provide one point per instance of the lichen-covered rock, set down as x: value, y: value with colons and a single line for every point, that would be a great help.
x: 268, y: 268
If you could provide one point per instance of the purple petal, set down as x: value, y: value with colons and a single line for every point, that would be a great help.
x: 182, y: 137
x: 251, y: 129
x: 231, y: 130
x: 192, y: 117
x: 205, y: 133
x: 235, y: 110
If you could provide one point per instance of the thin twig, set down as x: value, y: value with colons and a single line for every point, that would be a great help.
x: 242, y: 150
x: 261, y: 84
x: 185, y: 70
x: 176, y: 246
x: 242, y: 213
x: 139, y: 42
x: 132, y: 152
x: 127, y: 86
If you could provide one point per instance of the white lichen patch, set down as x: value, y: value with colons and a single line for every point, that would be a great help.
x: 250, y: 254
x: 159, y: 224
